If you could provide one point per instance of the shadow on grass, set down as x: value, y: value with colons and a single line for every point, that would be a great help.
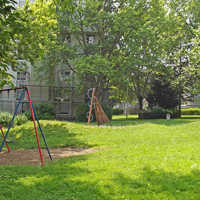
x: 159, y: 184
x: 65, y: 179
x: 57, y: 135
x: 61, y: 180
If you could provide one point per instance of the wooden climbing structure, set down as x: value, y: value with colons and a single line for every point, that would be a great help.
x: 101, y: 116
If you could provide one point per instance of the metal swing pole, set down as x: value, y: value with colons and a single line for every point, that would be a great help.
x: 2, y: 133
x: 12, y: 120
x: 47, y: 148
x: 35, y: 127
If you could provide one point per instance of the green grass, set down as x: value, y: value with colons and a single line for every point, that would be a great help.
x: 138, y: 160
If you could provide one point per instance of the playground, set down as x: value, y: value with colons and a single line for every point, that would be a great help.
x: 133, y: 159
x: 124, y: 159
x: 22, y: 156
x: 30, y: 156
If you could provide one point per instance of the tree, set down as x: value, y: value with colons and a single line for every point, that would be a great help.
x: 141, y: 25
x: 94, y: 41
x: 41, y: 41
x: 162, y: 94
x: 28, y: 33
x: 10, y: 25
x: 180, y: 54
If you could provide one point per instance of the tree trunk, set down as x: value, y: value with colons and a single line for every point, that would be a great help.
x: 140, y: 100
x: 179, y: 103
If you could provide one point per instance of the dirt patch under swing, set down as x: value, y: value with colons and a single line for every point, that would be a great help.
x: 31, y: 156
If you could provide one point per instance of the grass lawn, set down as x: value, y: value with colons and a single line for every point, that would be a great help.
x: 138, y: 160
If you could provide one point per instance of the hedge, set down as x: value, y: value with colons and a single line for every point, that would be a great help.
x: 6, y: 117
x: 190, y: 111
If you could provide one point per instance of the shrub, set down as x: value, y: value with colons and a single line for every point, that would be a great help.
x: 108, y: 111
x: 190, y: 111
x: 117, y: 111
x: 83, y: 109
x: 46, y: 108
x: 5, y: 118
x: 28, y: 114
x: 81, y: 113
x: 159, y: 110
x: 44, y: 111
x: 21, y: 119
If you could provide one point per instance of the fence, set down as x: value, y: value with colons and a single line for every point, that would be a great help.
x: 64, y: 99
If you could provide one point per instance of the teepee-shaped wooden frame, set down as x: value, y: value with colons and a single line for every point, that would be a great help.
x: 101, y: 117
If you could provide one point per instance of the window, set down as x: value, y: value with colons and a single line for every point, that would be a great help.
x: 21, y: 76
x: 90, y: 39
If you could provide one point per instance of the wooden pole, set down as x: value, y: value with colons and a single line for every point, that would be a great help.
x: 91, y: 104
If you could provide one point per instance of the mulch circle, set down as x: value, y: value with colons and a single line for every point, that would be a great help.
x: 31, y: 156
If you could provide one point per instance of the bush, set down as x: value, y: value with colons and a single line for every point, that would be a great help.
x: 117, y: 111
x: 83, y: 109
x: 159, y: 110
x: 28, y: 114
x: 190, y: 111
x: 108, y: 111
x: 81, y: 113
x: 5, y: 118
x: 21, y: 119
x: 44, y: 111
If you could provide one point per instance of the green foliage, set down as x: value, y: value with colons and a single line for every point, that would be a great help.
x: 108, y: 111
x: 149, y: 114
x: 159, y: 110
x: 190, y: 111
x: 28, y: 114
x: 21, y: 119
x: 10, y: 26
x: 44, y: 111
x: 83, y: 109
x: 5, y: 118
x: 81, y: 113
x: 117, y: 111
x: 162, y: 94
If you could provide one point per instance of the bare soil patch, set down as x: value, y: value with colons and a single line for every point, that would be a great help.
x: 31, y: 156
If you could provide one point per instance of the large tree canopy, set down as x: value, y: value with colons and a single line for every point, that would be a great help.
x: 28, y: 33
x: 107, y: 44
x: 10, y: 26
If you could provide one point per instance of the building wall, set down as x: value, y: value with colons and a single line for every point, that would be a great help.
x: 21, y: 3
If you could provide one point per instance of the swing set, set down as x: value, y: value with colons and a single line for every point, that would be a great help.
x: 25, y: 91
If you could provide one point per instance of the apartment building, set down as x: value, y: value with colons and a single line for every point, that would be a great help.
x: 63, y: 96
x: 20, y: 3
